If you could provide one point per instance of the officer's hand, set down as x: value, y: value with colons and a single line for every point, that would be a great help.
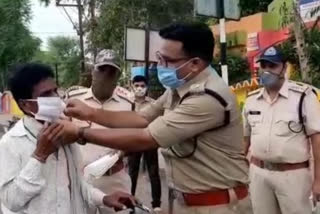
x: 76, y: 108
x: 119, y: 201
x: 70, y: 132
x: 48, y: 141
x: 316, y: 190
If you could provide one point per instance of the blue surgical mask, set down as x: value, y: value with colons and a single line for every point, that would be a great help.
x: 269, y: 80
x: 168, y: 76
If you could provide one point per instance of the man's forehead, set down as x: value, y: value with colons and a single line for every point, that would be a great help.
x: 139, y: 83
x: 171, y: 48
x: 44, y: 86
x: 268, y: 63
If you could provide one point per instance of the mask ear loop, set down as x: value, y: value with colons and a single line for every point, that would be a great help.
x: 184, y: 64
x: 30, y: 112
x: 282, y: 71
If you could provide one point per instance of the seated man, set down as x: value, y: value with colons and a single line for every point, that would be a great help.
x: 38, y: 175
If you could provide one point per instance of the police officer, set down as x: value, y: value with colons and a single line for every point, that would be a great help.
x: 196, y: 122
x: 280, y: 120
x: 103, y: 94
x: 150, y: 157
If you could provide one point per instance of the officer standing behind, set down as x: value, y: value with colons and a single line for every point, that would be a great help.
x: 103, y: 94
x: 196, y: 122
x: 279, y: 122
x: 139, y: 87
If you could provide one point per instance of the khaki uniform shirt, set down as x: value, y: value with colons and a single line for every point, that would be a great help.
x: 267, y: 123
x: 118, y: 102
x: 218, y: 161
x: 143, y: 104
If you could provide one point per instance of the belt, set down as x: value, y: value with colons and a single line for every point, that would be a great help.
x: 117, y: 167
x: 278, y: 166
x: 218, y: 197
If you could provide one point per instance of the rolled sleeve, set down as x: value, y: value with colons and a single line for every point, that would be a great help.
x: 194, y: 116
x: 154, y: 109
x: 312, y: 113
x: 246, y: 125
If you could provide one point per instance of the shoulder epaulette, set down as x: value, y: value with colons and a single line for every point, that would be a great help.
x: 124, y: 94
x: 298, y: 86
x: 197, y: 88
x: 75, y: 91
x: 254, y: 92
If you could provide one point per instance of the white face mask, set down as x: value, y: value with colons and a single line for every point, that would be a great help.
x: 140, y: 92
x: 49, y: 108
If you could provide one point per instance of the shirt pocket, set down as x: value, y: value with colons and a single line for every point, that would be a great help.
x: 255, y: 121
x: 287, y: 124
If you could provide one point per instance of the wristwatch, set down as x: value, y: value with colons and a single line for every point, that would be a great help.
x: 82, y: 140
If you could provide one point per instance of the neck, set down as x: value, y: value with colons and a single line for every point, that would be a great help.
x: 102, y: 96
x: 139, y: 99
x: 273, y: 92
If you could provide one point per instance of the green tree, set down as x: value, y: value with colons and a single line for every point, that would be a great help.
x: 116, y: 14
x: 238, y: 68
x: 250, y: 7
x: 63, y: 54
x: 289, y: 48
x: 108, y: 29
x: 17, y: 44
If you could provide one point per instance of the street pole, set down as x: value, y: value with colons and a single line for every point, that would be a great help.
x: 79, y: 29
x: 57, y: 74
x: 81, y: 36
x: 147, y: 50
x: 147, y: 41
x: 223, y: 45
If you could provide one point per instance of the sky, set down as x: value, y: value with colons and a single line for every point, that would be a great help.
x: 51, y: 21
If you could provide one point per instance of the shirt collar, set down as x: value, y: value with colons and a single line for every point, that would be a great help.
x: 27, y: 126
x: 146, y: 100
x: 90, y: 95
x: 284, y: 91
x: 201, y: 77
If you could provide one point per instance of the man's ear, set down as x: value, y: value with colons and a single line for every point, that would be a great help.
x: 24, y: 107
x: 196, y: 63
x: 285, y: 67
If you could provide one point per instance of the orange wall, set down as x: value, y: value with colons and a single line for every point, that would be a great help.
x: 250, y: 24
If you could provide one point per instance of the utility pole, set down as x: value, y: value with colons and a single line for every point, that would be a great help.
x: 223, y: 44
x: 147, y: 42
x: 79, y: 28
x: 147, y: 51
x: 222, y: 10
x: 57, y: 73
x: 80, y: 10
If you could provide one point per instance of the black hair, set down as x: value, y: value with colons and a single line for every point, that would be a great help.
x: 25, y: 77
x: 139, y: 78
x: 197, y: 39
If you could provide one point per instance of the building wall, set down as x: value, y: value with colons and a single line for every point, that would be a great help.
x: 250, y: 24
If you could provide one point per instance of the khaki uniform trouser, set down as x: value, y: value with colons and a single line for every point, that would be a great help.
x: 280, y: 192
x: 234, y: 207
x: 109, y: 184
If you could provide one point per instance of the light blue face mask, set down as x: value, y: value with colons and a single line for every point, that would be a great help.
x: 168, y: 76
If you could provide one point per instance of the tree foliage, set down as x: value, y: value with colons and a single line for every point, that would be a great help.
x: 17, y: 44
x: 63, y: 54
x: 238, y: 68
x: 289, y: 49
x: 250, y: 7
x: 116, y: 14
